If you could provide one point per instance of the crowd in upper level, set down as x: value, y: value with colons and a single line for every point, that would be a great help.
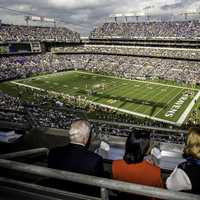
x: 167, y: 29
x: 19, y: 33
x: 133, y: 50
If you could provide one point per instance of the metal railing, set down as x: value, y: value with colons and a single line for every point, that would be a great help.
x: 103, y: 183
x: 30, y: 152
x: 34, y: 191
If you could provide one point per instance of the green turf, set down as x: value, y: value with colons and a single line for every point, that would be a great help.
x: 140, y: 97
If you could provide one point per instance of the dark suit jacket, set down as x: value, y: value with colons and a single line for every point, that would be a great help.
x: 75, y: 158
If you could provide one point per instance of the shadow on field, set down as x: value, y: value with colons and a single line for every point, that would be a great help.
x: 125, y: 100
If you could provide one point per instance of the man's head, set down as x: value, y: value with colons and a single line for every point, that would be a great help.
x: 79, y: 132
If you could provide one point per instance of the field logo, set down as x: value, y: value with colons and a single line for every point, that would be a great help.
x: 177, y: 106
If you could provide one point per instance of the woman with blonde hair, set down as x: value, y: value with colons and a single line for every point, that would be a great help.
x: 186, y: 176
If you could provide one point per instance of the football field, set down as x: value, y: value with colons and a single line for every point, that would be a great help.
x: 161, y: 102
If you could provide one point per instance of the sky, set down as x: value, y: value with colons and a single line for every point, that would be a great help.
x: 84, y: 15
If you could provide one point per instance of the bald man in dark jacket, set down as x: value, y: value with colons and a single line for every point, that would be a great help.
x: 75, y: 157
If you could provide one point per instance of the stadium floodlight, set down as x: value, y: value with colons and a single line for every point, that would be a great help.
x: 36, y: 18
x: 119, y: 15
x: 48, y: 19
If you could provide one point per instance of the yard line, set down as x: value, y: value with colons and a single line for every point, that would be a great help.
x: 168, y: 103
x: 181, y: 119
x: 113, y: 77
x: 146, y: 95
x: 29, y: 86
x: 130, y: 90
x: 139, y: 89
x: 161, y: 99
x: 154, y: 83
x: 121, y: 94
x: 103, y: 105
x: 112, y: 89
x: 126, y: 88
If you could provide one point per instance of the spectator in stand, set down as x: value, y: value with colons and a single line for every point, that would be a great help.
x: 9, y: 32
x: 164, y: 29
x: 186, y: 176
x: 75, y: 157
x: 134, y: 168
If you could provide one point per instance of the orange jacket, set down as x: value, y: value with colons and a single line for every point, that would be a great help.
x: 144, y: 173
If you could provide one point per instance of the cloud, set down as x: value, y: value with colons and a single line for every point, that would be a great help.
x: 82, y: 15
x: 74, y: 4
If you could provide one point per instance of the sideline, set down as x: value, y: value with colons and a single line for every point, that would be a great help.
x: 154, y: 83
x: 103, y: 105
x: 188, y: 109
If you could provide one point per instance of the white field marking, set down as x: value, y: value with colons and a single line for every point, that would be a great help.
x: 146, y: 95
x: 188, y: 109
x: 158, y: 94
x: 129, y: 89
x: 28, y: 86
x: 154, y: 83
x: 134, y: 113
x: 168, y: 102
x: 113, y: 77
x: 111, y: 89
x: 41, y: 77
x: 103, y: 105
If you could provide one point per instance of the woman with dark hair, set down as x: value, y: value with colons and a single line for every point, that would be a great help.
x: 186, y: 176
x: 134, y: 168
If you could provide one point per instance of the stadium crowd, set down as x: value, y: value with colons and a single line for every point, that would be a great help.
x: 167, y: 29
x: 137, y: 67
x: 19, y: 33
x: 40, y: 109
x: 56, y: 118
x: 45, y: 110
x: 133, y: 50
x: 13, y: 67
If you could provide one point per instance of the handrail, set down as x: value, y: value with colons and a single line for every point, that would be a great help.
x: 38, y: 189
x: 98, y: 182
x: 24, y: 153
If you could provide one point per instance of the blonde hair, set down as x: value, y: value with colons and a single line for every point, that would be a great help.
x: 192, y: 147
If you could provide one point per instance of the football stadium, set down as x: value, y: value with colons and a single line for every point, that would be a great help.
x: 99, y: 100
x: 157, y: 101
